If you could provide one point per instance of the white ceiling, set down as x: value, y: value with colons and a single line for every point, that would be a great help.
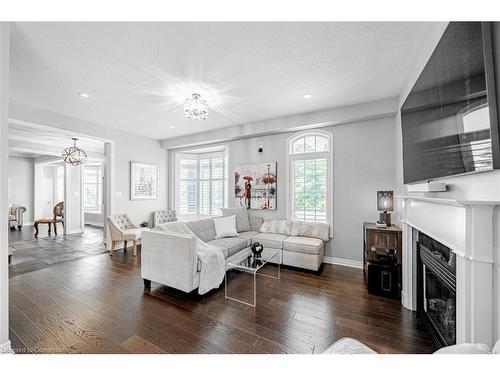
x: 33, y: 141
x: 138, y: 74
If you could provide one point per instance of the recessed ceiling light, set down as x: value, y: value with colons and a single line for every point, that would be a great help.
x: 83, y: 95
x: 172, y: 127
x: 307, y: 96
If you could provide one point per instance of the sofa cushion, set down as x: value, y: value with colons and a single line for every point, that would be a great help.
x: 496, y: 348
x: 303, y: 245
x: 311, y: 229
x: 203, y: 228
x: 132, y: 233
x: 242, y: 222
x: 248, y: 236
x: 466, y: 348
x: 231, y: 245
x: 255, y: 222
x: 272, y: 240
x: 347, y: 345
x: 277, y: 226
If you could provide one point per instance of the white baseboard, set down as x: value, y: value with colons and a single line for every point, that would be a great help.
x: 343, y: 262
x: 5, y: 348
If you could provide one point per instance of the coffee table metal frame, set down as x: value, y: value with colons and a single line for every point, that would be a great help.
x: 233, y: 263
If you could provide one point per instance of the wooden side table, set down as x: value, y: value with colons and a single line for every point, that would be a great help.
x: 376, y: 240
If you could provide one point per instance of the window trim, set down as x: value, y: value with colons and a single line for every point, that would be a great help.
x: 290, y: 157
x: 193, y: 155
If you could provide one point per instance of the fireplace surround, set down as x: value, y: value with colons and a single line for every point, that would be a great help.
x: 466, y: 228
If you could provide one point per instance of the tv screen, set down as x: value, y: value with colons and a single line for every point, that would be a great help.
x: 446, y: 122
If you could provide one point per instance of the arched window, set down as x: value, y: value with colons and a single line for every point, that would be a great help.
x: 309, y: 165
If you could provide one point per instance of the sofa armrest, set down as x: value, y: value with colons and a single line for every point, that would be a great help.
x: 169, y: 259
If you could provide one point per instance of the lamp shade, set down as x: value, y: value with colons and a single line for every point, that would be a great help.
x: 385, y: 200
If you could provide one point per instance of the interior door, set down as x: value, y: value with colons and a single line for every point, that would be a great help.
x: 47, y: 189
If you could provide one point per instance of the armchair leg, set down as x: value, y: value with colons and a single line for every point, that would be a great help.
x: 124, y: 245
x: 112, y: 248
x: 147, y: 284
x: 134, y: 251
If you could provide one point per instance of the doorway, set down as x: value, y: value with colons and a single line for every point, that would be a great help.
x: 37, y: 167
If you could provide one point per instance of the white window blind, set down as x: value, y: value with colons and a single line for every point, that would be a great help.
x: 309, y: 161
x: 202, y: 183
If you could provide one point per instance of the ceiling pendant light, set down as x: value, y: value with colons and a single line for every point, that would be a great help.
x: 196, y: 108
x: 74, y: 155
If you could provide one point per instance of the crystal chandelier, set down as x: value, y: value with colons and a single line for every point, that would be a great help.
x: 196, y: 108
x: 74, y: 155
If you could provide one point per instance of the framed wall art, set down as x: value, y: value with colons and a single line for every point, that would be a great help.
x: 255, y: 186
x: 143, y: 181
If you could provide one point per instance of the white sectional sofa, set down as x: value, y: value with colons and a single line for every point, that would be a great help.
x: 170, y: 258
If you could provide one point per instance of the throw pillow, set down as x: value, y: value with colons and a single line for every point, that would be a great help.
x: 242, y: 222
x: 277, y: 226
x: 311, y: 229
x: 225, y: 227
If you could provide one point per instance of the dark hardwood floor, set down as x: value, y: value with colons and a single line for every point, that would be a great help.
x: 31, y: 254
x: 97, y: 305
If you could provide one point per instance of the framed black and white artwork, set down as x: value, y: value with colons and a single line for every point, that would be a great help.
x: 143, y: 181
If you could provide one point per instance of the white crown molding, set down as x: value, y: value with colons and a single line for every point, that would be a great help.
x: 343, y: 262
x: 304, y: 121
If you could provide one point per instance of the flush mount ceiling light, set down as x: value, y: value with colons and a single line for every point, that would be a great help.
x: 307, y: 96
x: 74, y: 155
x: 195, y: 108
x: 83, y: 95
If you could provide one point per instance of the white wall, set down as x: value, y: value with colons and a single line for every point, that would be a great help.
x: 127, y: 147
x: 363, y: 162
x: 483, y: 186
x: 4, y: 166
x: 21, y: 184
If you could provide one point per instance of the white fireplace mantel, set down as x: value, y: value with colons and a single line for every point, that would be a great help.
x: 466, y: 227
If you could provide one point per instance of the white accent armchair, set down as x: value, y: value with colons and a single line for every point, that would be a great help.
x: 16, y: 217
x: 121, y: 228
x: 163, y: 216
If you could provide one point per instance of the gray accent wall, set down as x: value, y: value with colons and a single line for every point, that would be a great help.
x: 363, y: 162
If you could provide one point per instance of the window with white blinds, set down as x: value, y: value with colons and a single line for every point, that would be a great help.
x: 309, y: 163
x: 202, y: 183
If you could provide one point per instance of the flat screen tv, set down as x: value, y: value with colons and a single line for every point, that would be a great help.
x: 449, y: 119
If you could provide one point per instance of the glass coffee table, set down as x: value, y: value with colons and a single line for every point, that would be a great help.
x: 245, y: 261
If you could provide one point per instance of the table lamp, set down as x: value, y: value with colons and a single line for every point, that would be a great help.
x: 385, y: 204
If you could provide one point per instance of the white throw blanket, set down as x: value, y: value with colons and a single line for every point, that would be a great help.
x: 213, y: 263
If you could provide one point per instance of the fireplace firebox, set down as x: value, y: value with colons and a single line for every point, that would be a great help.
x: 436, y: 289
